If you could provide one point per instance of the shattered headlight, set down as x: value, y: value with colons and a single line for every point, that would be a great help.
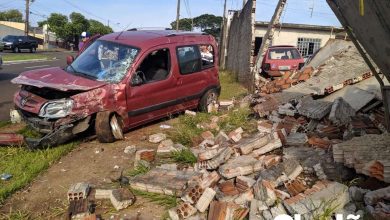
x: 56, y: 109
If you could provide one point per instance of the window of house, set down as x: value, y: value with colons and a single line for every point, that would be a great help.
x: 189, y: 59
x: 308, y: 46
x: 156, y: 66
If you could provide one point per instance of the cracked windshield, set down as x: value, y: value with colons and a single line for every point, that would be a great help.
x: 104, y: 61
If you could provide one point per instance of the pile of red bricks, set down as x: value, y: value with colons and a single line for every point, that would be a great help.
x: 288, y: 79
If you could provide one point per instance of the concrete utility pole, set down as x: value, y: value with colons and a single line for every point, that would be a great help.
x: 269, y: 35
x: 222, y: 48
x: 178, y: 15
x: 26, y: 22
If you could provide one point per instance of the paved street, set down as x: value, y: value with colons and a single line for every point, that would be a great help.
x: 12, y: 70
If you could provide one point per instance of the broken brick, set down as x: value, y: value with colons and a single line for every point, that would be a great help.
x: 228, y: 188
x: 294, y: 187
x: 121, y: 198
x: 244, y: 183
x: 205, y: 200
x: 240, y: 166
x: 207, y: 135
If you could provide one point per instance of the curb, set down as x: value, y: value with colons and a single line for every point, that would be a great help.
x: 23, y: 61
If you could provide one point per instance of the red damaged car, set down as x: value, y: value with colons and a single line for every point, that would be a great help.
x: 279, y: 59
x: 120, y: 81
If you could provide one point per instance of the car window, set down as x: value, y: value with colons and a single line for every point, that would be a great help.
x: 189, y: 59
x: 156, y: 66
x: 283, y: 54
x: 207, y: 55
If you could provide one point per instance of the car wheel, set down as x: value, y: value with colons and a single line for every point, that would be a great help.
x: 108, y: 128
x: 16, y: 49
x: 32, y: 50
x: 208, y: 98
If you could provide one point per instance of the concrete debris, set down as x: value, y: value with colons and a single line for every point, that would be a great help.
x: 185, y: 210
x: 166, y: 147
x: 156, y: 180
x: 221, y: 138
x: 296, y: 139
x: 320, y: 172
x: 103, y: 193
x: 272, y: 145
x: 207, y: 135
x: 210, y: 153
x: 244, y: 183
x: 15, y: 116
x: 205, y: 200
x: 341, y: 112
x: 314, y: 201
x: 78, y: 191
x: 244, y: 198
x: 369, y: 155
x: 287, y: 109
x: 236, y: 135
x: 209, y: 180
x: 264, y: 191
x: 216, y: 161
x: 130, y: 149
x: 157, y: 138
x: 264, y: 127
x: 78, y: 209
x: 319, y: 142
x: 313, y: 109
x: 289, y: 169
x: 226, y: 210
x: 240, y: 166
x: 228, y: 188
x: 248, y: 145
x: 357, y: 194
x: 191, y: 113
x: 378, y: 203
x: 121, y: 198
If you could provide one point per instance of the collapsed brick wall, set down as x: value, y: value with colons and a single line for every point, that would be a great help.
x: 241, y: 40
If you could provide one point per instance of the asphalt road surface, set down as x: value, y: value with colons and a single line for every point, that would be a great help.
x: 12, y: 70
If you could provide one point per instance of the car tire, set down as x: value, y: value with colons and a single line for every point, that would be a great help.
x: 16, y: 49
x: 207, y: 98
x: 33, y: 50
x: 108, y: 127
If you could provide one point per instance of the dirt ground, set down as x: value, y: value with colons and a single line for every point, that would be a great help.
x: 90, y: 162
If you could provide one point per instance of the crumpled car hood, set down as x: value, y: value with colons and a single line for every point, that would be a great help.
x: 56, y: 78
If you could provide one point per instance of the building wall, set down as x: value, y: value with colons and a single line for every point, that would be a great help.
x: 241, y: 42
x: 6, y: 30
x: 289, y: 36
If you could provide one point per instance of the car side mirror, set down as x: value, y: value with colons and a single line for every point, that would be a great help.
x: 69, y: 60
x: 137, y: 79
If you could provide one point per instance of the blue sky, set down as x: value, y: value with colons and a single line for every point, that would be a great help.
x: 159, y: 13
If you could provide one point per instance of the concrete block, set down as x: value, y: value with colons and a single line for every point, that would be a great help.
x: 272, y: 145
x: 103, y: 193
x: 296, y: 139
x: 205, y: 200
x: 185, y: 210
x: 157, y: 138
x: 240, y: 166
x: 121, y: 198
x: 190, y: 113
x: 130, y: 149
x: 78, y: 191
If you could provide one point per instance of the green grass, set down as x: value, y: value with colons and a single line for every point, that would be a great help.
x: 28, y: 132
x: 4, y: 123
x: 186, y: 129
x: 25, y: 165
x: 15, y: 215
x: 184, y: 156
x: 159, y: 199
x: 139, y: 170
x: 229, y: 86
x: 24, y: 56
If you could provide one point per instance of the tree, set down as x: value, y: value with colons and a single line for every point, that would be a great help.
x: 185, y: 24
x: 78, y: 23
x: 209, y: 23
x: 96, y: 27
x: 58, y: 23
x: 11, y: 15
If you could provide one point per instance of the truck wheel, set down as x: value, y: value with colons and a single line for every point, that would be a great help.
x: 108, y: 127
x: 209, y: 97
x: 16, y: 49
x: 33, y: 50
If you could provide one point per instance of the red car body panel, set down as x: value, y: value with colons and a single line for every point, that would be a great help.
x: 135, y: 104
x: 276, y: 67
x: 56, y: 78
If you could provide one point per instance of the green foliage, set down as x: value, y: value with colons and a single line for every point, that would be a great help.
x: 207, y: 23
x: 230, y: 87
x: 96, y: 27
x: 70, y: 28
x: 159, y: 199
x: 23, y: 56
x: 25, y: 165
x: 15, y: 215
x: 185, y: 24
x: 28, y: 132
x: 184, y: 156
x: 11, y: 15
x: 139, y: 170
x: 4, y: 123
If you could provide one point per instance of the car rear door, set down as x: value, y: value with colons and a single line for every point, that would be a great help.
x: 197, y: 71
